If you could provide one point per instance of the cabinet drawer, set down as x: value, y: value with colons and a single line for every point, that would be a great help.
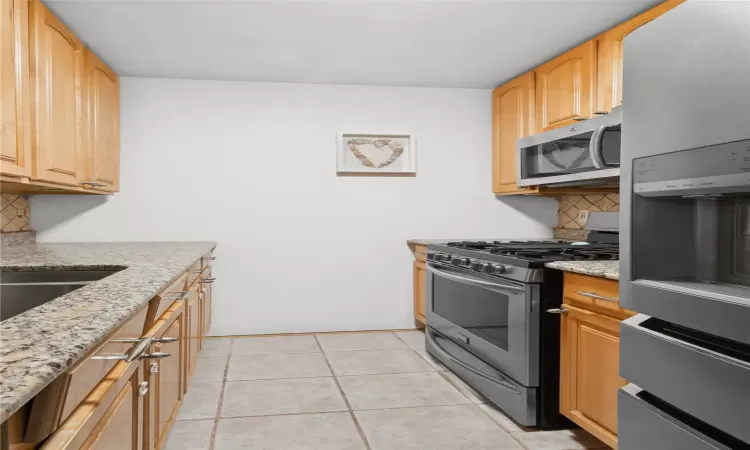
x: 58, y: 400
x: 164, y: 300
x: 644, y: 424
x: 706, y: 377
x: 594, y: 293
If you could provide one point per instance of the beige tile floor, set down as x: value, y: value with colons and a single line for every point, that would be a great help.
x: 378, y: 391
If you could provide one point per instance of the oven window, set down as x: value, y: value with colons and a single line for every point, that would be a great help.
x: 479, y: 311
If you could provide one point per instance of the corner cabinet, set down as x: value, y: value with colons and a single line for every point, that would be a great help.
x: 565, y: 88
x: 590, y: 354
x: 59, y: 109
x: 15, y: 116
x: 609, y: 57
x: 512, y: 119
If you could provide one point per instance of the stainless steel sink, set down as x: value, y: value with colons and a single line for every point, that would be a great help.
x: 22, y: 291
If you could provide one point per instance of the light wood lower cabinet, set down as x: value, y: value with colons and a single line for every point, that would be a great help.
x: 590, y: 354
x: 420, y: 284
x: 133, y: 405
x: 110, y: 417
x: 167, y: 375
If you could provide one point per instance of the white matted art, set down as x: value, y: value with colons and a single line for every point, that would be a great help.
x: 376, y: 153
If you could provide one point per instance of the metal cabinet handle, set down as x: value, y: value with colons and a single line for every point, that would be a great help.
x: 596, y: 296
x: 155, y: 355
x: 562, y: 311
x: 154, y: 368
x: 210, y: 258
x: 92, y: 183
x: 134, y: 353
x: 143, y: 388
x: 165, y: 340
x: 580, y: 118
x: 601, y: 113
x: 209, y: 280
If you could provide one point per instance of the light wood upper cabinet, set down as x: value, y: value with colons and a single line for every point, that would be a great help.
x: 512, y: 119
x: 103, y: 119
x: 565, y: 87
x: 610, y: 51
x: 15, y: 118
x: 57, y: 67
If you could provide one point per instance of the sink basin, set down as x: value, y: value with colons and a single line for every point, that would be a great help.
x: 22, y: 291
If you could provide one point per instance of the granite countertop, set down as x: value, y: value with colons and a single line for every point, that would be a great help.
x: 603, y: 269
x: 43, y: 342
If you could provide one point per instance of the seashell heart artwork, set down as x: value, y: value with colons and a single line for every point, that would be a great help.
x: 375, y: 153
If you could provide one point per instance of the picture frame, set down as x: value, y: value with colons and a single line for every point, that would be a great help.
x: 376, y: 153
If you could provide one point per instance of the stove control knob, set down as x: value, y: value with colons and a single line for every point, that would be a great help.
x: 487, y: 268
x: 498, y: 268
x: 439, y: 257
x: 456, y: 261
x: 476, y: 265
x: 465, y: 262
x: 430, y: 255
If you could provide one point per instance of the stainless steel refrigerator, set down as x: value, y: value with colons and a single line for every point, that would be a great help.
x: 685, y: 230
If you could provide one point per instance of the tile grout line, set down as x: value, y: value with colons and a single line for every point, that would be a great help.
x: 508, y: 432
x: 357, y: 425
x: 212, y: 443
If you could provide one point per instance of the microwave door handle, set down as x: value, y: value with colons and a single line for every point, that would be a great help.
x: 595, y: 147
x: 460, y: 279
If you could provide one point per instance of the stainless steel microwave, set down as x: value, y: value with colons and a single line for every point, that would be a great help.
x: 584, y: 153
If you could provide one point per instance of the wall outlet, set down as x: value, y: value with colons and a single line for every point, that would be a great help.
x: 21, y: 212
x: 583, y: 216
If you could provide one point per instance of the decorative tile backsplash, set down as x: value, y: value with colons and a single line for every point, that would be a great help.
x: 14, y: 213
x: 569, y: 207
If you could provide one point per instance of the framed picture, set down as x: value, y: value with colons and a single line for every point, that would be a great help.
x: 363, y: 153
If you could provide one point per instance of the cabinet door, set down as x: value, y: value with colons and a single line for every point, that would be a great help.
x: 207, y: 303
x: 110, y: 417
x: 194, y: 327
x: 15, y: 119
x: 589, y: 372
x: 169, y: 376
x: 122, y: 425
x: 420, y: 282
x: 512, y: 119
x: 565, y: 87
x: 57, y: 62
x: 609, y: 60
x: 103, y: 119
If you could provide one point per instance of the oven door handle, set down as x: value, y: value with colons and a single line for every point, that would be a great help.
x: 487, y: 284
x: 476, y: 372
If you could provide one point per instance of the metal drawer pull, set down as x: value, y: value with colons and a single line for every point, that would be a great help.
x: 209, y: 280
x: 562, y: 311
x: 155, y: 355
x: 143, y: 388
x: 92, y: 183
x: 599, y: 297
x: 165, y: 340
x: 135, y: 352
x: 210, y: 258
x: 154, y: 368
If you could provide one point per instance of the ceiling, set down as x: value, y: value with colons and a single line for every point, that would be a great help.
x: 460, y: 43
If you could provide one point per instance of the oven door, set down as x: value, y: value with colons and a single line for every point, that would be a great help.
x: 496, y: 320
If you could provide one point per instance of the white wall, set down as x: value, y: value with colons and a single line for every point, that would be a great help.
x: 252, y: 167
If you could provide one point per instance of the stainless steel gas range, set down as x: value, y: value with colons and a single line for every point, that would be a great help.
x: 486, y: 320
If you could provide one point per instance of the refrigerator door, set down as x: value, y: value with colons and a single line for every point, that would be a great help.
x: 684, y: 86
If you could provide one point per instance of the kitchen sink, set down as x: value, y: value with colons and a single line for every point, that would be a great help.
x: 22, y: 291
